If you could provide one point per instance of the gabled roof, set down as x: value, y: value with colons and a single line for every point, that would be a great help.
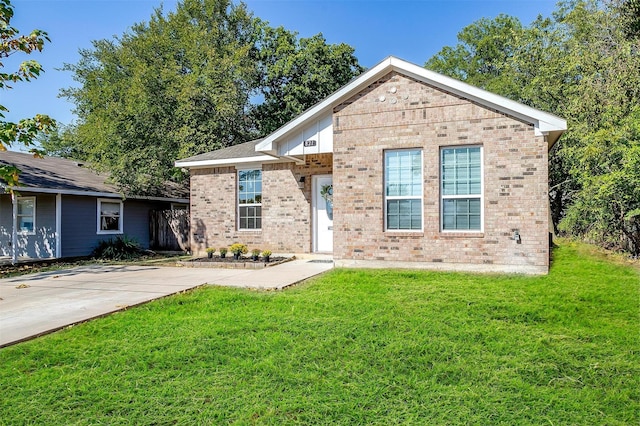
x: 59, y: 175
x: 241, y: 153
x: 544, y: 122
x: 265, y: 149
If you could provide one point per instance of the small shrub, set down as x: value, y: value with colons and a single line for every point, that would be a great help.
x: 266, y: 253
x: 255, y: 252
x: 210, y: 250
x: 238, y: 248
x: 122, y: 248
x: 223, y: 252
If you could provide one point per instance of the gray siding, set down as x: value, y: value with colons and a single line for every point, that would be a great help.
x: 80, y: 223
x: 40, y: 245
x: 136, y: 219
x: 79, y: 233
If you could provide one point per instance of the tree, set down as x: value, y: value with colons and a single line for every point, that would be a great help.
x: 482, y: 56
x: 176, y: 86
x: 189, y: 82
x: 25, y: 131
x: 298, y: 73
x: 583, y: 63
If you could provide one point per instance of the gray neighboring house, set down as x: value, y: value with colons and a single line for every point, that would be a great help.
x: 63, y: 209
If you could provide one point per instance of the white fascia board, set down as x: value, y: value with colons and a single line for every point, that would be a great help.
x: 96, y: 194
x: 226, y: 161
x: 543, y: 121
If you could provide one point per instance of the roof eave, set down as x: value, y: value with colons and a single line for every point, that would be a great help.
x: 199, y: 164
x: 93, y: 194
x: 544, y: 122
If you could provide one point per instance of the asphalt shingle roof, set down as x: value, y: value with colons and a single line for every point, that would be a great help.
x: 243, y: 150
x: 61, y: 174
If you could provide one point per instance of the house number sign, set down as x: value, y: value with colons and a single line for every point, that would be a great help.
x: 309, y: 142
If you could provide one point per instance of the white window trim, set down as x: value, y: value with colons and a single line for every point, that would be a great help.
x: 247, y: 169
x: 120, y: 224
x: 450, y: 197
x: 403, y: 197
x: 20, y: 232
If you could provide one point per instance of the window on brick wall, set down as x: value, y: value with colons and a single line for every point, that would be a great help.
x: 461, y: 188
x: 250, y: 199
x: 403, y: 189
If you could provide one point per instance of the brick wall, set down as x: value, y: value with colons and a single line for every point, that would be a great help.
x: 286, y: 209
x: 399, y: 112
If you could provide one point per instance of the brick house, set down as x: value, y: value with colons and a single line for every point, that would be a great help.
x: 402, y: 167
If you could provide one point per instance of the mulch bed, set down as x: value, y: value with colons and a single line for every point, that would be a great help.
x: 230, y: 262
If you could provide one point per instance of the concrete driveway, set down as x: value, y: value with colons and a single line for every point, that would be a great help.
x: 36, y: 304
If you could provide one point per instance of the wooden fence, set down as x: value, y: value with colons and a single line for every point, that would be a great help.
x: 169, y: 230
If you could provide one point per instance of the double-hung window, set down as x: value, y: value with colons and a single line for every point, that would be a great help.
x: 26, y: 214
x: 403, y: 190
x: 461, y: 188
x: 109, y: 216
x: 250, y: 199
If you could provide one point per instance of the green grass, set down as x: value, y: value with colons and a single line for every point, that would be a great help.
x: 351, y: 347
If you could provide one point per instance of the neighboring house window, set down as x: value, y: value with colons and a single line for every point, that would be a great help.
x: 109, y: 217
x: 461, y: 188
x: 250, y: 199
x: 403, y: 189
x: 27, y: 215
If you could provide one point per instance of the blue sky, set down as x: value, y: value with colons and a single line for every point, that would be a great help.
x: 413, y: 30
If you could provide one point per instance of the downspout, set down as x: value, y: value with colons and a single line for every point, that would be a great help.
x: 58, y: 226
x: 14, y: 232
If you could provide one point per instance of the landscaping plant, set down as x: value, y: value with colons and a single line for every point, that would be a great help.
x: 238, y: 249
x: 120, y: 248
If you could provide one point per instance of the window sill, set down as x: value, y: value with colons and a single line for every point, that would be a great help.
x: 255, y: 231
x: 403, y: 234
x: 454, y: 234
x: 109, y: 233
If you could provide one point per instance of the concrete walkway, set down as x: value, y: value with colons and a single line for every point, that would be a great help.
x: 36, y: 304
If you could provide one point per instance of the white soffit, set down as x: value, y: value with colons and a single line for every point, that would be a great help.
x: 226, y: 161
x: 544, y: 122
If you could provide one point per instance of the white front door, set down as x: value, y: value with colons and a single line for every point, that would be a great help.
x: 323, y: 213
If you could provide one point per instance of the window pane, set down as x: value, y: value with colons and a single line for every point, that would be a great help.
x: 474, y: 206
x: 461, y: 214
x: 405, y: 222
x: 461, y: 155
x: 393, y: 222
x: 249, y: 199
x: 392, y: 207
x: 25, y: 207
x: 405, y: 207
x: 26, y: 224
x: 403, y: 173
x: 404, y: 214
x: 403, y: 178
x: 110, y: 209
x: 474, y: 222
x: 109, y: 223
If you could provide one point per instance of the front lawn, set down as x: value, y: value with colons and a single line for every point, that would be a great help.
x: 351, y: 347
